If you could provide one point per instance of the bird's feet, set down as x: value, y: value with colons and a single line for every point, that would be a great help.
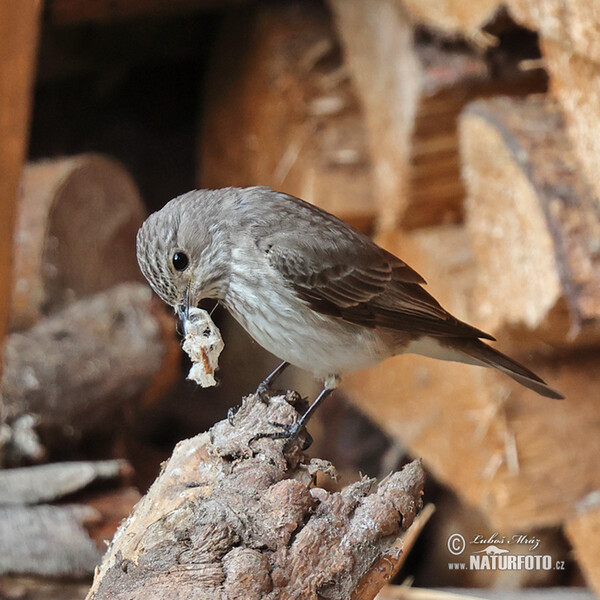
x: 264, y: 389
x: 232, y: 412
x: 288, y: 433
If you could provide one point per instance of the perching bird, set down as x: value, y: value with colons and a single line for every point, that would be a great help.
x: 305, y: 285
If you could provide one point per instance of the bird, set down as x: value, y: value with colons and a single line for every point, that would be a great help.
x: 308, y: 287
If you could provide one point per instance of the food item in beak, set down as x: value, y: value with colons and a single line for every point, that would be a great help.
x: 203, y: 344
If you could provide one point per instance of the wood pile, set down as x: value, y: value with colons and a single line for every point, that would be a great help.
x: 280, y: 110
x: 88, y: 343
x: 411, y: 109
x: 524, y: 265
x: 465, y: 144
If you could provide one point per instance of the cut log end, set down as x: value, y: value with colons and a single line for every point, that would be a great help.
x: 533, y: 223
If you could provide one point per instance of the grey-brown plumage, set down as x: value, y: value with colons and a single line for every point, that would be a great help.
x: 304, y: 284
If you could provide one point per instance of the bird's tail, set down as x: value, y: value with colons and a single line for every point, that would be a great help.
x: 485, y: 355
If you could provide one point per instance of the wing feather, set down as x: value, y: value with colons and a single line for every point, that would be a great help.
x: 340, y: 272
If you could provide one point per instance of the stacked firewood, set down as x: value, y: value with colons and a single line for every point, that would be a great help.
x: 431, y: 126
x: 87, y: 343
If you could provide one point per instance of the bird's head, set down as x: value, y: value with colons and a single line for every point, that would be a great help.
x: 183, y: 251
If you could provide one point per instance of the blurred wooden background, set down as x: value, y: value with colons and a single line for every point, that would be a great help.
x: 463, y: 135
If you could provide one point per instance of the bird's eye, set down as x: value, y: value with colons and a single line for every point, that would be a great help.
x: 180, y: 261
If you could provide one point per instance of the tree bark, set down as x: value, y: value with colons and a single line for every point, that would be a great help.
x: 76, y: 370
x: 230, y: 517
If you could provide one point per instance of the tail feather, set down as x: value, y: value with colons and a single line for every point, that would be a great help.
x: 486, y: 355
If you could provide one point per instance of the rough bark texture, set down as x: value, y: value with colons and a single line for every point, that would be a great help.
x: 230, y: 517
x: 583, y: 531
x: 281, y: 111
x: 522, y: 459
x: 77, y: 369
x: 75, y: 234
x: 533, y: 222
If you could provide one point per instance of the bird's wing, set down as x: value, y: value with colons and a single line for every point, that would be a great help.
x: 342, y: 273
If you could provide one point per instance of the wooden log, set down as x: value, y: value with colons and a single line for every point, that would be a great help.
x: 575, y: 82
x: 19, y: 29
x: 574, y: 24
x: 60, y: 540
x: 534, y: 224
x: 45, y: 540
x: 76, y: 370
x: 522, y: 460
x: 41, y: 589
x: 51, y: 482
x: 583, y: 531
x: 455, y: 17
x: 412, y: 91
x: 571, y: 51
x: 75, y: 234
x: 229, y: 517
x: 281, y: 111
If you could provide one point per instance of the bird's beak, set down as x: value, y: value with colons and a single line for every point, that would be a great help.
x: 183, y: 311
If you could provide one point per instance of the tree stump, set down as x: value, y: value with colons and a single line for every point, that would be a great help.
x: 230, y: 517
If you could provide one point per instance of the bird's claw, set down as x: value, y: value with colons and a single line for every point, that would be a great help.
x: 288, y: 433
x: 262, y: 391
x: 232, y: 412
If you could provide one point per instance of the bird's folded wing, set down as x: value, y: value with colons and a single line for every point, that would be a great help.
x: 362, y: 284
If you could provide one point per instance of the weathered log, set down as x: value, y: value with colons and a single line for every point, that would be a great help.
x: 534, y: 224
x: 522, y: 459
x: 46, y: 540
x: 64, y: 540
x: 412, y: 91
x: 19, y: 31
x: 75, y: 234
x: 583, y: 531
x: 76, y: 370
x: 281, y: 111
x: 47, y: 483
x: 230, y: 517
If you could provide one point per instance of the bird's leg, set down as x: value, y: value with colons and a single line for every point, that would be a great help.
x: 289, y: 432
x: 262, y: 391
